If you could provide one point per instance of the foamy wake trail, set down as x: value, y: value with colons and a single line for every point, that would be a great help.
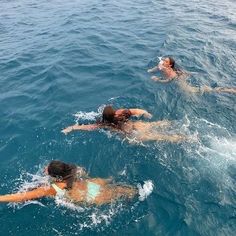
x: 60, y: 201
x: 18, y: 205
x: 224, y: 147
x: 90, y: 116
x: 145, y: 190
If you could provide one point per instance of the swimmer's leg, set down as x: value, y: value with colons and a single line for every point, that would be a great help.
x: 112, y: 193
x: 207, y: 89
x: 161, y: 123
x: 225, y: 90
x: 173, y: 138
x: 125, y: 192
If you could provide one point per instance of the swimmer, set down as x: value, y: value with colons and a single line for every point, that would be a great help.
x: 170, y: 72
x: 72, y: 183
x: 118, y: 121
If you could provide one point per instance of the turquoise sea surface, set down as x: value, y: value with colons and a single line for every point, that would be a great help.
x: 62, y: 61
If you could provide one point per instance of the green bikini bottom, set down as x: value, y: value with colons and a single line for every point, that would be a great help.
x: 92, y: 191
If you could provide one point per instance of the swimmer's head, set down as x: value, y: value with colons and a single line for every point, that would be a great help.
x: 108, y: 114
x: 62, y: 172
x: 113, y: 117
x: 169, y: 62
x: 172, y: 62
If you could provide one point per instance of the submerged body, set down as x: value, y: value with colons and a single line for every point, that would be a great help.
x: 92, y: 191
x: 99, y: 191
x: 167, y: 67
x: 84, y: 190
x: 151, y: 131
x: 138, y: 130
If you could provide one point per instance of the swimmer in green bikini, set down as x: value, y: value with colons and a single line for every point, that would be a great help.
x: 135, y: 131
x: 167, y: 67
x: 72, y: 184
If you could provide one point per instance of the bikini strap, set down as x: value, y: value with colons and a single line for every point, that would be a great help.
x: 59, y: 191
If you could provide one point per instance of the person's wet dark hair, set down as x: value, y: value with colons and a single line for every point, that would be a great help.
x: 63, y: 171
x: 172, y: 62
x: 108, y: 114
x: 109, y: 118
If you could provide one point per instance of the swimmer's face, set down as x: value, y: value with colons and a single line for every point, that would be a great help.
x: 166, y: 62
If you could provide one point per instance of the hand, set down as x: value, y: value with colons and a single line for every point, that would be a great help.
x: 155, y: 78
x: 67, y: 130
x: 149, y: 70
x: 147, y: 115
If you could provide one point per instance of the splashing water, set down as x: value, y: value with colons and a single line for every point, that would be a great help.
x: 86, y: 115
x: 145, y: 190
x: 222, y: 148
x: 62, y: 202
x: 28, y: 182
x: 89, y: 116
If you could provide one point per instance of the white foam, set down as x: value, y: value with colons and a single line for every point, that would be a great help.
x: 213, y: 125
x: 145, y: 190
x: 61, y: 201
x: 106, y: 216
x: 27, y: 182
x: 223, y: 147
x: 90, y: 116
x: 18, y: 205
x: 31, y: 181
x: 113, y: 98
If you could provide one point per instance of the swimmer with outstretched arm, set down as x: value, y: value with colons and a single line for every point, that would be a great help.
x: 168, y: 69
x: 72, y: 183
x: 119, y: 121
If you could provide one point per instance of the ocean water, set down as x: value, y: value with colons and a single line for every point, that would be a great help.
x: 62, y: 61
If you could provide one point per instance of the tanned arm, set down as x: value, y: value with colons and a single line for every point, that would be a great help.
x: 80, y: 127
x: 25, y: 196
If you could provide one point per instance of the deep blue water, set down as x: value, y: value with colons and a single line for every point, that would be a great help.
x: 59, y: 58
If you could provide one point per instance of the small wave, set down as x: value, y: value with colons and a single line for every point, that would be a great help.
x: 90, y: 116
x: 213, y: 125
x: 30, y: 181
x: 19, y: 206
x: 27, y: 182
x: 145, y: 190
x: 222, y: 147
x: 61, y: 201
x: 99, y: 218
x: 86, y: 115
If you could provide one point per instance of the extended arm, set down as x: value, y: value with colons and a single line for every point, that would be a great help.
x: 80, y: 127
x: 25, y: 196
x: 225, y: 90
